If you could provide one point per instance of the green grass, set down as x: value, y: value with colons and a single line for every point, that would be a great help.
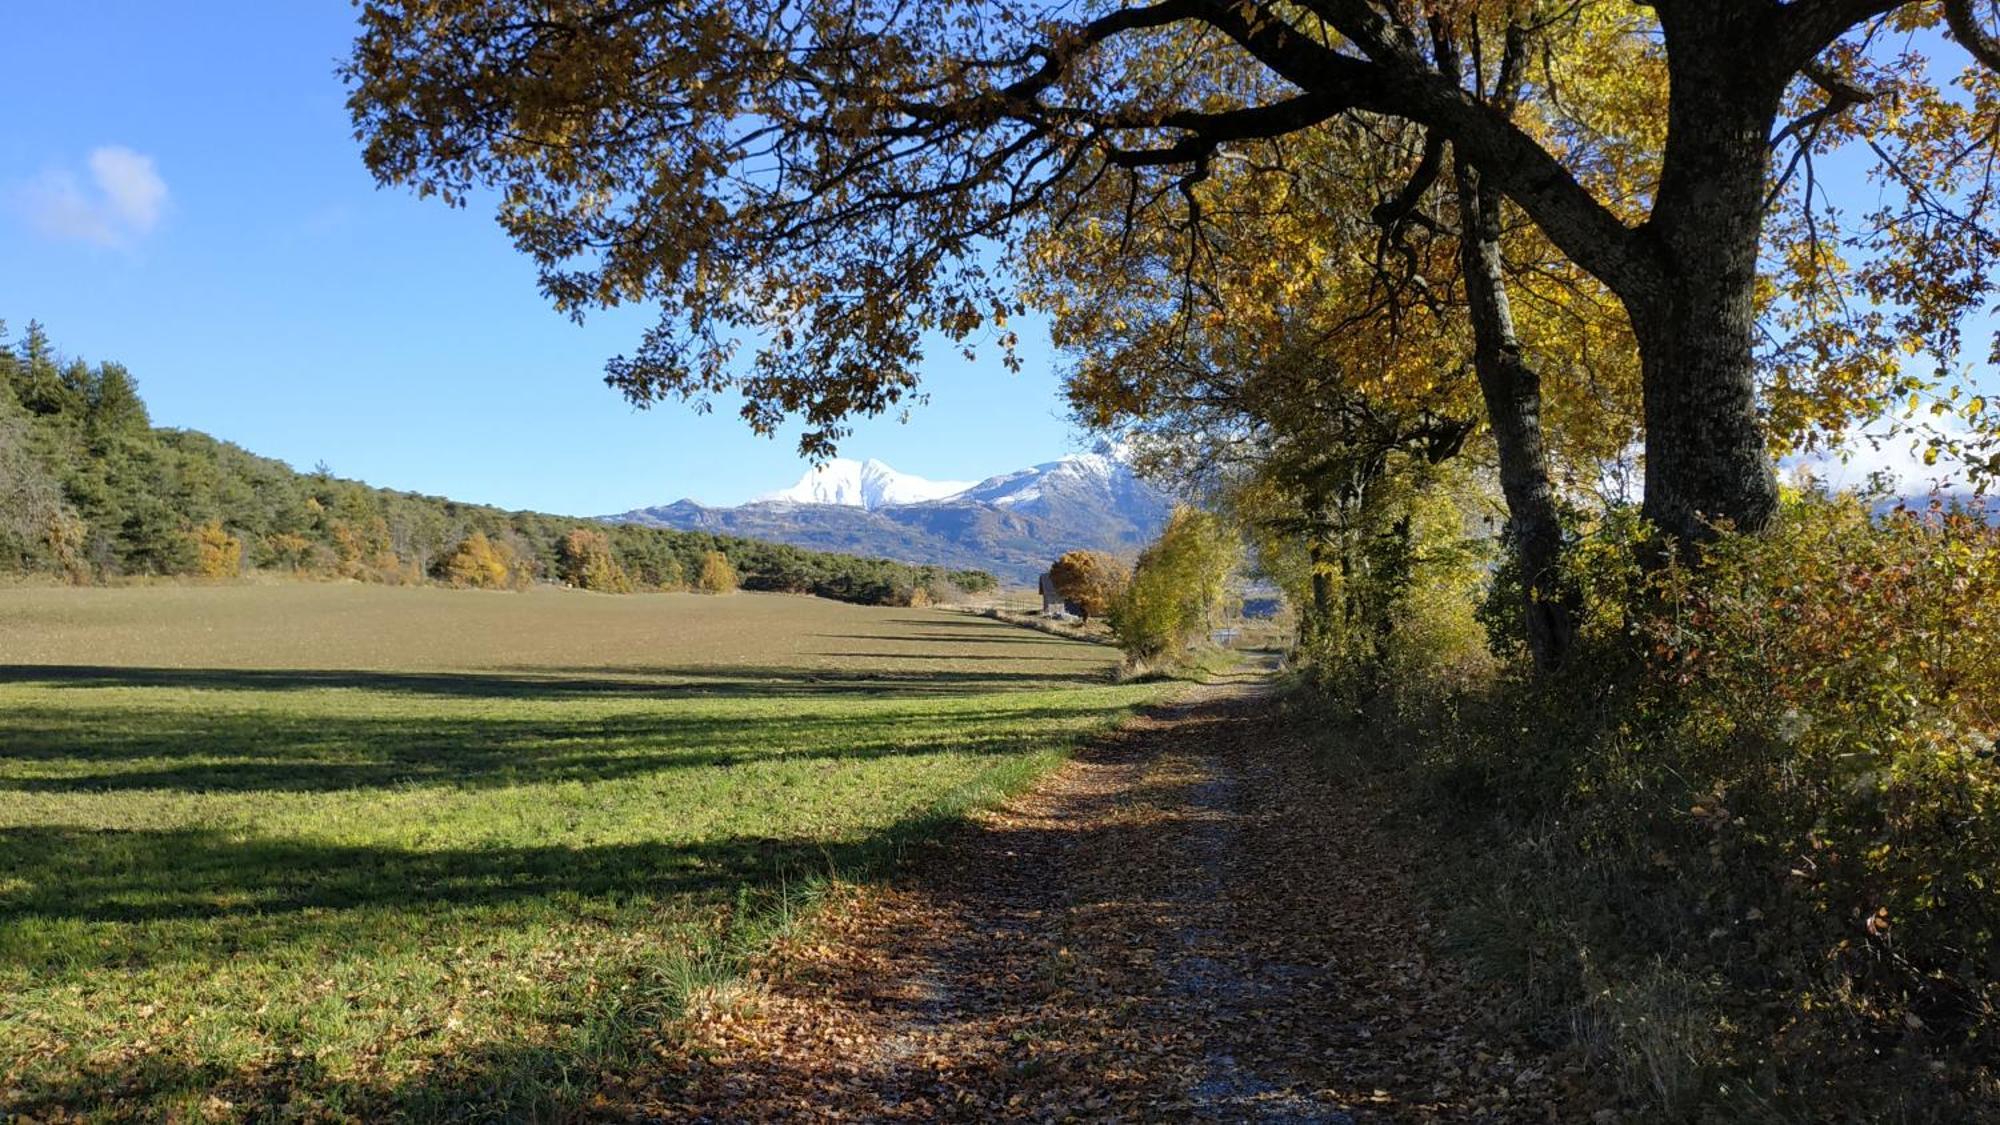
x: 335, y: 850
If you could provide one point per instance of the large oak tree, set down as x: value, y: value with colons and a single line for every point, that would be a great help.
x: 827, y: 183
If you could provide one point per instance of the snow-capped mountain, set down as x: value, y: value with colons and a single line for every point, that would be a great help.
x: 1013, y: 524
x: 1089, y: 478
x: 866, y: 484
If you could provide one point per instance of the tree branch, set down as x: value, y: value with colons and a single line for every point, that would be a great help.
x: 1212, y: 130
x: 1966, y: 28
x: 1800, y: 30
x: 1395, y: 80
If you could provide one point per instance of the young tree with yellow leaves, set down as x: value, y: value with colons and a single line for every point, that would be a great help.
x: 479, y: 563
x: 1177, y: 587
x: 717, y: 575
x: 218, y: 554
x: 585, y: 560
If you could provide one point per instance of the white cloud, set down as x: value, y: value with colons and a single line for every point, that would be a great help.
x: 1898, y: 456
x: 122, y: 202
x: 131, y: 185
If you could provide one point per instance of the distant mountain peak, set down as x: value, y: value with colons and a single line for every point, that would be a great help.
x: 869, y: 484
x: 1013, y: 524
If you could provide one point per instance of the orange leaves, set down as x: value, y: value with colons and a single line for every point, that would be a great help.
x: 1091, y: 580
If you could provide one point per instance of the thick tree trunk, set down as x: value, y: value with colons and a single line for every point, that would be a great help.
x: 1707, y: 458
x: 1512, y: 389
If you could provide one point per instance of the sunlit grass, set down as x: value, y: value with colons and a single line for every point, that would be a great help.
x: 437, y: 875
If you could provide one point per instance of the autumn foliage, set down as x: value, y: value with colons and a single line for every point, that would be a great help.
x: 717, y: 575
x: 218, y: 554
x: 1089, y: 580
x: 1759, y: 819
x: 1178, y: 586
x: 364, y: 550
x: 1834, y: 695
x: 586, y: 562
x: 480, y: 563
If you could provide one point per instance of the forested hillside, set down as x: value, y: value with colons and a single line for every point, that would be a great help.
x: 91, y: 490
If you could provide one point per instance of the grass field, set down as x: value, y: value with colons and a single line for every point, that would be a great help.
x: 320, y: 850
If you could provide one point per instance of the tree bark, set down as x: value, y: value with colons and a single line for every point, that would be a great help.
x: 1707, y: 457
x: 1687, y: 277
x: 1317, y: 619
x: 1512, y: 389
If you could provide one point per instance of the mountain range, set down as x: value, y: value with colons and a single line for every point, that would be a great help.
x: 1012, y: 525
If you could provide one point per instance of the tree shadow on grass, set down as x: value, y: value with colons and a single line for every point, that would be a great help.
x: 81, y: 903
x: 84, y: 905
x: 269, y: 887
x: 149, y: 897
x: 962, y: 657
x: 631, y: 682
x: 72, y: 749
x: 1025, y: 636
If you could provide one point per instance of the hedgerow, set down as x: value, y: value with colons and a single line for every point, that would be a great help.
x: 1743, y: 846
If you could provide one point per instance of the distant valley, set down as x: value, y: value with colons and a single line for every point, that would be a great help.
x: 1012, y: 525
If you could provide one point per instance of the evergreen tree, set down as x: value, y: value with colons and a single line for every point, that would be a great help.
x: 39, y: 385
x: 114, y: 410
x: 29, y: 496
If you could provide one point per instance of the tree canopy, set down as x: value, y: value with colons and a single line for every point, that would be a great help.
x: 829, y: 187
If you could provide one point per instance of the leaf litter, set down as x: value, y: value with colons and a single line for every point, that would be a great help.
x: 1191, y: 920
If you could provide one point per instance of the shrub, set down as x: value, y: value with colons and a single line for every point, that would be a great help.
x: 218, y: 554
x: 481, y: 564
x: 290, y: 551
x: 1091, y: 580
x: 586, y: 562
x: 1835, y: 693
x: 1177, y: 587
x: 1770, y: 775
x: 717, y: 575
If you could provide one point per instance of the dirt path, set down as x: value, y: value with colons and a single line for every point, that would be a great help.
x: 1189, y: 921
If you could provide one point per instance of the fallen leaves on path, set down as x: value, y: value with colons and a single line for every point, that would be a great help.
x: 1189, y: 921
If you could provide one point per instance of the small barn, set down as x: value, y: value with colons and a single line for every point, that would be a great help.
x: 1053, y: 604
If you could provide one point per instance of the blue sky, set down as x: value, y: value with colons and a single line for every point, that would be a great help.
x: 179, y: 191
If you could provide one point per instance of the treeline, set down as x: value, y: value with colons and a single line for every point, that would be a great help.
x: 91, y: 490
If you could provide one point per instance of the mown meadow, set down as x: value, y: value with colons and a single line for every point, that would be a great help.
x: 339, y: 851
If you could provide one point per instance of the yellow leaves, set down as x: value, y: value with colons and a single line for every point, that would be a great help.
x: 218, y: 554
x: 1605, y: 116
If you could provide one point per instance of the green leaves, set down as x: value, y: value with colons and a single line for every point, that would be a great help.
x: 1178, y: 586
